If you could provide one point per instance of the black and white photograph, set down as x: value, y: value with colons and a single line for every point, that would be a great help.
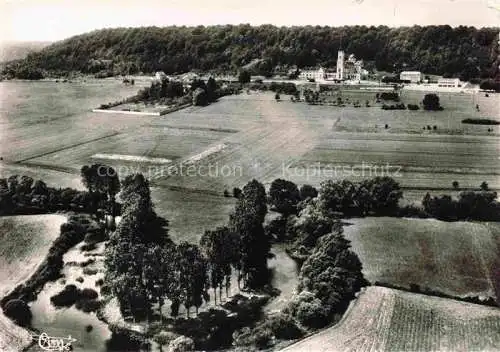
x: 239, y: 176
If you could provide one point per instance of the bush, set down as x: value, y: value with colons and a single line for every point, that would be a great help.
x: 308, y: 191
x: 236, y: 192
x: 389, y: 96
x: 181, y: 344
x: 413, y: 107
x: 125, y: 340
x: 259, y: 338
x: 18, y: 311
x: 481, y: 121
x: 88, y: 293
x: 490, y: 85
x: 308, y: 310
x: 90, y: 271
x: 164, y: 337
x: 431, y: 102
x: 283, y: 327
x: 67, y: 297
x: 88, y: 305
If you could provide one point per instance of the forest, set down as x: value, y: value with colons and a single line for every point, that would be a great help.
x: 464, y: 52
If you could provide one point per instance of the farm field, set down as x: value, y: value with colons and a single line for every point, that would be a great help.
x: 383, y: 319
x: 25, y: 240
x: 457, y: 258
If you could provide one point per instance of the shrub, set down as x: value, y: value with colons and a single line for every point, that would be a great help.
x: 88, y: 247
x: 19, y: 311
x: 308, y: 310
x: 90, y: 271
x: 67, y: 297
x: 481, y: 121
x: 125, y: 340
x: 88, y: 293
x: 89, y: 328
x: 308, y: 191
x: 389, y: 96
x: 88, y: 305
x: 164, y: 337
x: 181, y: 344
x: 79, y: 279
x: 259, y: 338
x: 413, y: 107
x: 431, y: 102
x: 236, y: 192
x: 283, y: 327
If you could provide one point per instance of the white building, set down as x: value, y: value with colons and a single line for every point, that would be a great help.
x: 160, y: 75
x: 449, y: 82
x: 316, y: 74
x: 340, y: 65
x: 412, y: 76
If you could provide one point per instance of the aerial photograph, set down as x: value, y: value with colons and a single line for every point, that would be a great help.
x: 266, y: 175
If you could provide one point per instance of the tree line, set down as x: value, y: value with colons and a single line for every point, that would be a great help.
x: 464, y: 52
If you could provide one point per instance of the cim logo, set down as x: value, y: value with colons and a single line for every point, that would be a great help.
x: 56, y: 344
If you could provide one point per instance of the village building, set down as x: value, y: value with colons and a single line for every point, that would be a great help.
x: 449, y: 82
x: 412, y: 76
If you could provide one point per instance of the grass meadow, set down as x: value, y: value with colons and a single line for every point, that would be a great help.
x: 383, y: 319
x: 455, y: 258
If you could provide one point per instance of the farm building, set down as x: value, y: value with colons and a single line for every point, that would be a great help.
x: 449, y: 82
x: 412, y: 76
x: 316, y: 74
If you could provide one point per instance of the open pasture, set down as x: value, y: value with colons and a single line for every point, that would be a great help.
x: 382, y: 319
x: 457, y: 106
x: 416, y: 161
x: 458, y: 258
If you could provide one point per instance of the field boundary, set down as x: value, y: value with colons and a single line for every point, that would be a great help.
x: 489, y: 302
x: 68, y: 147
x: 145, y: 113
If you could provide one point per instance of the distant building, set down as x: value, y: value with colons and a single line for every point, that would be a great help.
x: 340, y: 65
x: 160, y: 75
x: 412, y: 76
x: 350, y: 69
x: 449, y: 82
x: 316, y: 74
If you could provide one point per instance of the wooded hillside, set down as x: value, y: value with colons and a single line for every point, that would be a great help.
x: 464, y: 52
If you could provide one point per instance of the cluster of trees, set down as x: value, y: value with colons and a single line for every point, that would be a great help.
x: 431, y: 102
x: 470, y: 205
x: 167, y: 91
x: 205, y: 93
x: 490, y: 84
x: 137, y: 251
x: 328, y: 281
x: 24, y: 195
x: 465, y: 52
x: 379, y: 196
x: 143, y: 266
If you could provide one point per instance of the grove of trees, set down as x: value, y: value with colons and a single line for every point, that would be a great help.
x: 144, y: 267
